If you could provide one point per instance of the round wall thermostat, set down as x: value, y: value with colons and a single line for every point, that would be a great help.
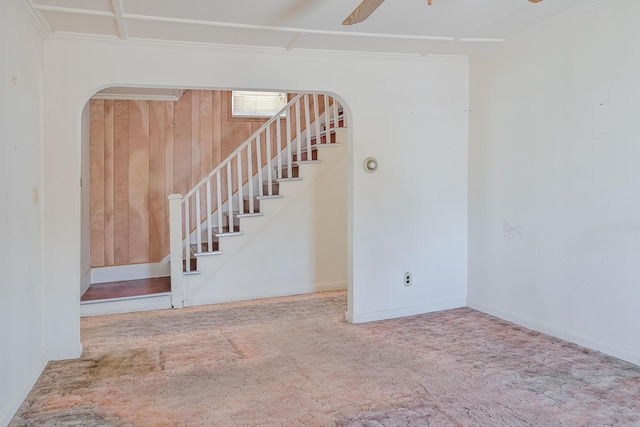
x: 370, y: 165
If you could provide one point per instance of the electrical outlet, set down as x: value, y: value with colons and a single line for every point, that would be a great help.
x: 407, y: 279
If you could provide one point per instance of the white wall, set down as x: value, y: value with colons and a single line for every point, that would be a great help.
x: 22, y: 329
x: 554, y: 179
x: 410, y: 113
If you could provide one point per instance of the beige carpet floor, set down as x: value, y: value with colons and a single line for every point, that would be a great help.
x: 295, y: 361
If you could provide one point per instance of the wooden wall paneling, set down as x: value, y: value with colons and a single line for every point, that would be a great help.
x: 195, y: 137
x: 168, y: 161
x: 97, y: 183
x: 139, y: 181
x: 121, y: 182
x: 182, y: 144
x: 216, y: 127
x: 321, y: 104
x: 206, y: 132
x: 227, y: 142
x: 206, y: 142
x: 195, y: 149
x: 158, y: 203
x: 109, y: 180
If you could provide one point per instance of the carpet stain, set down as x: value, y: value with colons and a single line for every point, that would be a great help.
x: 295, y: 361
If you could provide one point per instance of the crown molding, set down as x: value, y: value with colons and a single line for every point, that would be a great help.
x: 225, y: 48
x: 286, y: 29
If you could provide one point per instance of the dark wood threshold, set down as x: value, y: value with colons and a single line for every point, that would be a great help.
x: 127, y: 288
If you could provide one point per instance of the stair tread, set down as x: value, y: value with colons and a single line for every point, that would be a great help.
x: 199, y: 254
x: 288, y: 179
x: 266, y: 196
x: 302, y: 162
x: 229, y: 233
x: 244, y: 214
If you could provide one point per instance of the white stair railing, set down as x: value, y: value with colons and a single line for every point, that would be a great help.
x: 222, y: 191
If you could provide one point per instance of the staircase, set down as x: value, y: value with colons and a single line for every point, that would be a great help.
x: 253, y: 180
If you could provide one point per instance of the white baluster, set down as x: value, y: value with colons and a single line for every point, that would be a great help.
x: 288, y: 130
x: 187, y: 232
x: 269, y: 163
x: 209, y: 213
x: 316, y: 118
x: 335, y: 113
x: 240, y: 196
x: 279, y: 147
x: 198, y: 222
x: 298, y: 133
x: 307, y: 122
x: 230, y: 197
x: 250, y: 178
x: 327, y: 114
x: 176, y: 242
x: 259, y: 163
x: 219, y: 201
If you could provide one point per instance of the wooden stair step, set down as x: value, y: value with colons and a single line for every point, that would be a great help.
x: 332, y: 122
x: 305, y: 155
x: 193, y: 263
x: 256, y: 204
x: 237, y: 214
x: 323, y: 138
x: 295, y: 172
x: 275, y: 188
x: 225, y: 230
x: 204, y: 248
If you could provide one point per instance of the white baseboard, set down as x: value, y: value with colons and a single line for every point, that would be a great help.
x: 118, y: 273
x: 620, y: 353
x: 64, y: 353
x: 404, y: 311
x: 85, y: 282
x: 268, y: 293
x: 12, y: 407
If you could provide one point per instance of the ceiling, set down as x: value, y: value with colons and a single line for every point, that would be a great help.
x: 404, y: 27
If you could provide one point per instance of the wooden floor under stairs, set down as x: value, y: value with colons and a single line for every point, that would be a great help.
x: 126, y: 296
x: 127, y: 288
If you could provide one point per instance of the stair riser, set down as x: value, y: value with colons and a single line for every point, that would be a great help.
x: 192, y: 262
x: 333, y: 124
x: 323, y: 139
x: 275, y: 188
x: 305, y: 156
x: 215, y: 245
x: 256, y: 205
x: 295, y: 172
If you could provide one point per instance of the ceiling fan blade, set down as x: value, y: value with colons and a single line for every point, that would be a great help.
x: 362, y: 12
x: 535, y: 1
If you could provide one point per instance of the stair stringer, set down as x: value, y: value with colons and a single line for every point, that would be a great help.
x: 298, y: 246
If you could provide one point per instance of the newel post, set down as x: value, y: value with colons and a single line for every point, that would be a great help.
x: 175, y: 249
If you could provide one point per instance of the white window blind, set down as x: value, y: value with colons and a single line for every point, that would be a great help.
x: 257, y: 104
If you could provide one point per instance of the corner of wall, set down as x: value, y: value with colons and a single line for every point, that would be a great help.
x: 8, y: 412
